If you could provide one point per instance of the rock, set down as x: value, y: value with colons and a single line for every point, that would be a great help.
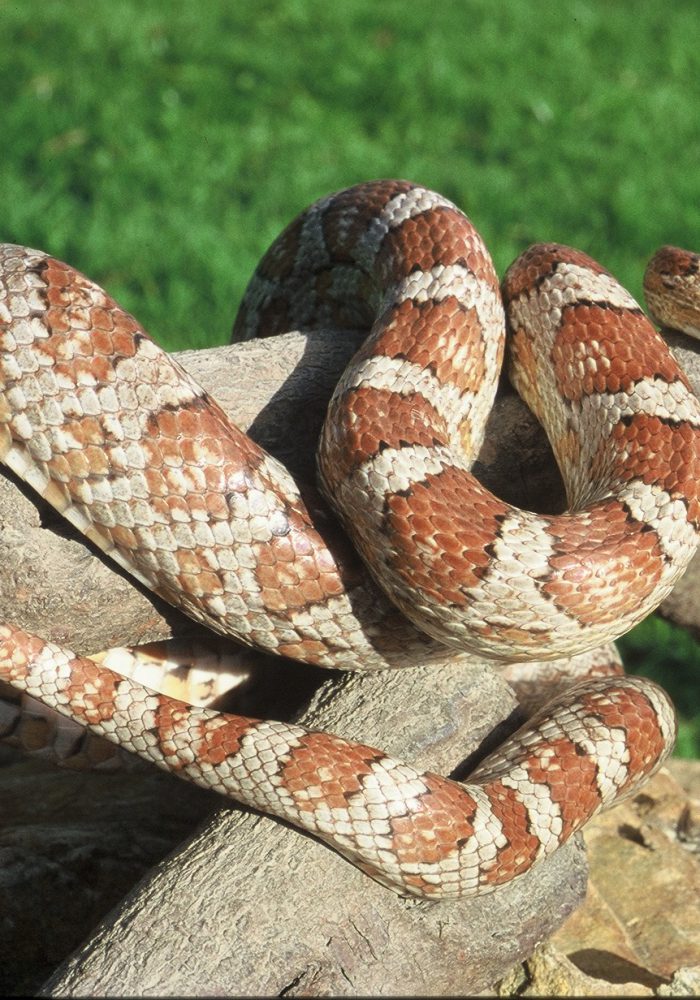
x: 684, y: 983
x: 549, y: 973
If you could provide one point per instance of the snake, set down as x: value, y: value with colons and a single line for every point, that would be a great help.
x: 120, y: 439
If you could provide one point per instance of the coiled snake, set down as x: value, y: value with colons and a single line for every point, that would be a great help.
x: 121, y: 440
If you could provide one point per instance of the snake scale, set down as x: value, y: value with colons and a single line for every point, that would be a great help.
x: 120, y: 439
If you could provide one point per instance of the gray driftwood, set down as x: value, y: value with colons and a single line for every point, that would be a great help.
x: 250, y: 906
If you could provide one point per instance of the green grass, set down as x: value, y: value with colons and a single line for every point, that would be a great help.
x: 160, y: 145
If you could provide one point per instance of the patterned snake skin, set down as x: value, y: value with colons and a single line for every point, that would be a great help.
x: 119, y: 438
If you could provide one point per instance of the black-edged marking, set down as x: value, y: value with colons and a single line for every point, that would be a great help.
x: 627, y: 419
x: 607, y: 306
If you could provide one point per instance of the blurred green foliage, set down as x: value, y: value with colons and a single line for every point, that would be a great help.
x: 161, y: 146
x: 670, y: 656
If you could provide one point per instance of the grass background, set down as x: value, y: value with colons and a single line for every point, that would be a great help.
x: 161, y: 145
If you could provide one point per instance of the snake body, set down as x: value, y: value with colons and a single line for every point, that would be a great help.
x: 121, y: 440
x: 407, y: 420
x: 418, y: 833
